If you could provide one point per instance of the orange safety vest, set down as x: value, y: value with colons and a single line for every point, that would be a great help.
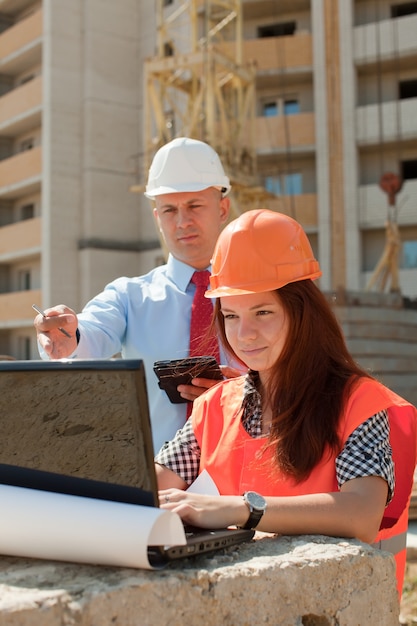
x: 237, y: 462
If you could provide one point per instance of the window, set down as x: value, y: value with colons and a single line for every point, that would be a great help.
x: 168, y: 49
x: 6, y: 213
x: 407, y: 8
x: 291, y: 107
x: 273, y: 185
x: 409, y: 169
x: 293, y: 184
x: 409, y: 255
x: 407, y: 89
x: 26, y: 144
x: 5, y: 22
x: 277, y: 30
x: 24, y: 280
x: 286, y: 106
x: 6, y: 84
x: 27, y: 211
x: 25, y: 79
x: 270, y: 109
x: 285, y: 184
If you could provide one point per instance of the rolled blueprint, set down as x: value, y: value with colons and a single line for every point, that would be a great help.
x: 48, y: 525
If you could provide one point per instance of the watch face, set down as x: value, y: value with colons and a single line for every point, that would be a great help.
x: 255, y: 500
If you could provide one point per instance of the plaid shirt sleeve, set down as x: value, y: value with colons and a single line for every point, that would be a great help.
x: 182, y: 454
x: 367, y: 452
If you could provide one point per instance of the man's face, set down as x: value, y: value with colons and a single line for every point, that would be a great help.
x: 190, y: 223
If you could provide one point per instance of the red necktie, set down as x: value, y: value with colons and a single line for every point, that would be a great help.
x: 201, y: 341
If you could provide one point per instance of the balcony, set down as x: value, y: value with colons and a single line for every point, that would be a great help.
x: 20, y: 240
x: 20, y: 45
x: 20, y: 109
x: 21, y: 174
x: 387, y: 40
x: 274, y: 134
x: 408, y: 281
x: 397, y: 119
x: 256, y: 9
x: 274, y: 55
x: 16, y: 307
x: 302, y: 208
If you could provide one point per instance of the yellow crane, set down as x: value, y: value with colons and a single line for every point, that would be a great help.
x: 198, y: 86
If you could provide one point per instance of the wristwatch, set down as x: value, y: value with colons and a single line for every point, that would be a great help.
x: 257, y: 507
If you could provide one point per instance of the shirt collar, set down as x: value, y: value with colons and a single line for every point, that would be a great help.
x: 180, y: 273
x: 252, y: 405
x: 251, y: 384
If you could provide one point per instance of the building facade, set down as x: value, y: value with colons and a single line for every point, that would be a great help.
x: 336, y: 110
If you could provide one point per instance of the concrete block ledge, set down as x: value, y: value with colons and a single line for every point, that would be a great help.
x: 291, y: 581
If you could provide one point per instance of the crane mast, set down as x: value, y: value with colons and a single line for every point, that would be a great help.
x: 198, y: 86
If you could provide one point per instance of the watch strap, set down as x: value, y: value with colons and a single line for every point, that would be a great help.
x: 253, y: 520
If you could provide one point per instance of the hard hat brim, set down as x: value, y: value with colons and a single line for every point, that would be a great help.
x: 189, y: 188
x: 260, y: 287
x: 229, y: 291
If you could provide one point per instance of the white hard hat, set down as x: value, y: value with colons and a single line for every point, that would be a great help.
x: 184, y: 165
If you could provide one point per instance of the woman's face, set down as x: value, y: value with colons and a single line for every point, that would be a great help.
x: 256, y: 328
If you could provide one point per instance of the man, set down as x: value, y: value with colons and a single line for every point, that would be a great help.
x: 148, y: 317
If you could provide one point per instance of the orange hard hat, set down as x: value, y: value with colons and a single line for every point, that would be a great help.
x: 261, y: 250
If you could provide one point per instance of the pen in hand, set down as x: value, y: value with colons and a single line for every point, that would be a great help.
x: 38, y: 310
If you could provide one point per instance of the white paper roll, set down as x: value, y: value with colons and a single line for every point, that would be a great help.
x: 47, y: 525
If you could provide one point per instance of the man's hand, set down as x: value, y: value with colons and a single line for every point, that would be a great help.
x: 55, y: 343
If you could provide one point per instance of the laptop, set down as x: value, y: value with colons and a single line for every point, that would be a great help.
x: 83, y: 428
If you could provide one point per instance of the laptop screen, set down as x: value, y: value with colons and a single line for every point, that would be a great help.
x: 85, y: 419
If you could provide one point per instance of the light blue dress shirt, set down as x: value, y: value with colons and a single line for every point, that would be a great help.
x: 146, y: 317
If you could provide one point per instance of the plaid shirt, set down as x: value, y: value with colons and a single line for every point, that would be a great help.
x: 367, y: 451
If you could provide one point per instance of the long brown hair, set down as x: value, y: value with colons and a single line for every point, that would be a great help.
x: 310, y: 380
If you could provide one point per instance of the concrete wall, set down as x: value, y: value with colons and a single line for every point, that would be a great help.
x: 310, y: 581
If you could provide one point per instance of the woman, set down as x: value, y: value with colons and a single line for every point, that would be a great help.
x: 305, y: 437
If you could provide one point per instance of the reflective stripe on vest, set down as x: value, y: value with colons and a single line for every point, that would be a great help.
x: 394, y: 544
